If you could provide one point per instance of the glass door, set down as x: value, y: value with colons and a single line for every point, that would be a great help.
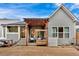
x: 54, y: 33
x: 60, y: 32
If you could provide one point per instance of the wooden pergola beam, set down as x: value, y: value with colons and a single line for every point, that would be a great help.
x: 36, y: 22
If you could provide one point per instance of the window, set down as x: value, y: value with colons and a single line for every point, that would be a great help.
x: 22, y: 31
x: 77, y: 30
x: 66, y: 32
x: 66, y: 35
x: 54, y: 34
x: 12, y: 28
x: 66, y: 29
x: 60, y: 35
x: 4, y: 31
x: 54, y: 29
x: 40, y: 34
x: 60, y: 30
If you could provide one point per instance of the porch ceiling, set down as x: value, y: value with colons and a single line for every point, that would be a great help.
x: 36, y: 21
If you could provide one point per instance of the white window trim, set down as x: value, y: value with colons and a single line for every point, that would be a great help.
x: 61, y: 32
x: 12, y: 32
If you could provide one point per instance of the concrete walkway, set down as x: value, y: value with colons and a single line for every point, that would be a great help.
x: 39, y: 51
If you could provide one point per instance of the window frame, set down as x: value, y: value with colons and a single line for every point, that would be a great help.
x: 54, y: 32
x: 64, y: 32
x: 11, y: 30
x: 59, y: 32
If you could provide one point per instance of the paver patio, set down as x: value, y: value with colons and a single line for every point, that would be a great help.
x: 39, y: 51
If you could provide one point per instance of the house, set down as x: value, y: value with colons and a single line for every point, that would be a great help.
x: 57, y: 29
x: 5, y: 21
x: 15, y: 31
x: 60, y: 28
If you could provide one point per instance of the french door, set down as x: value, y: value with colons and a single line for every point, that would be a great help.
x: 60, y: 34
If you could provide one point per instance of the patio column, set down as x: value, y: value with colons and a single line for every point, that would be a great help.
x: 27, y: 34
x: 46, y: 33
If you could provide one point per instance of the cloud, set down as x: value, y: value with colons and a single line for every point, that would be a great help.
x: 17, y: 5
x: 58, y: 4
x: 5, y: 13
x: 74, y: 6
x: 23, y: 10
x: 32, y: 10
x: 20, y: 13
x: 77, y: 15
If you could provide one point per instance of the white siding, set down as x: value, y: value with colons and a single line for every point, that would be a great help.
x: 60, y: 19
x: 5, y: 21
x: 1, y: 31
x: 15, y: 36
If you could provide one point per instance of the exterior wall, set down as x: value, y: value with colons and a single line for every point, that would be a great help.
x: 1, y: 28
x: 75, y: 41
x: 15, y: 36
x: 2, y: 32
x: 5, y: 21
x: 60, y: 19
x: 22, y: 41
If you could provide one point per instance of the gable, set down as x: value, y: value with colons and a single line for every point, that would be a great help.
x: 66, y: 11
x: 60, y: 18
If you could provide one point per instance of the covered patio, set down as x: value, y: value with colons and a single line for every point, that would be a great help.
x: 36, y: 31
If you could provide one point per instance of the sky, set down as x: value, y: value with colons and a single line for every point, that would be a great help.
x: 33, y: 10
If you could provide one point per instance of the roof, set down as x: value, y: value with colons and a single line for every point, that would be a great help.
x: 36, y: 19
x: 7, y: 19
x: 17, y: 23
x: 66, y: 10
x: 77, y: 22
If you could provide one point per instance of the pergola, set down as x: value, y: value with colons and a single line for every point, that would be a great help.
x: 37, y: 22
